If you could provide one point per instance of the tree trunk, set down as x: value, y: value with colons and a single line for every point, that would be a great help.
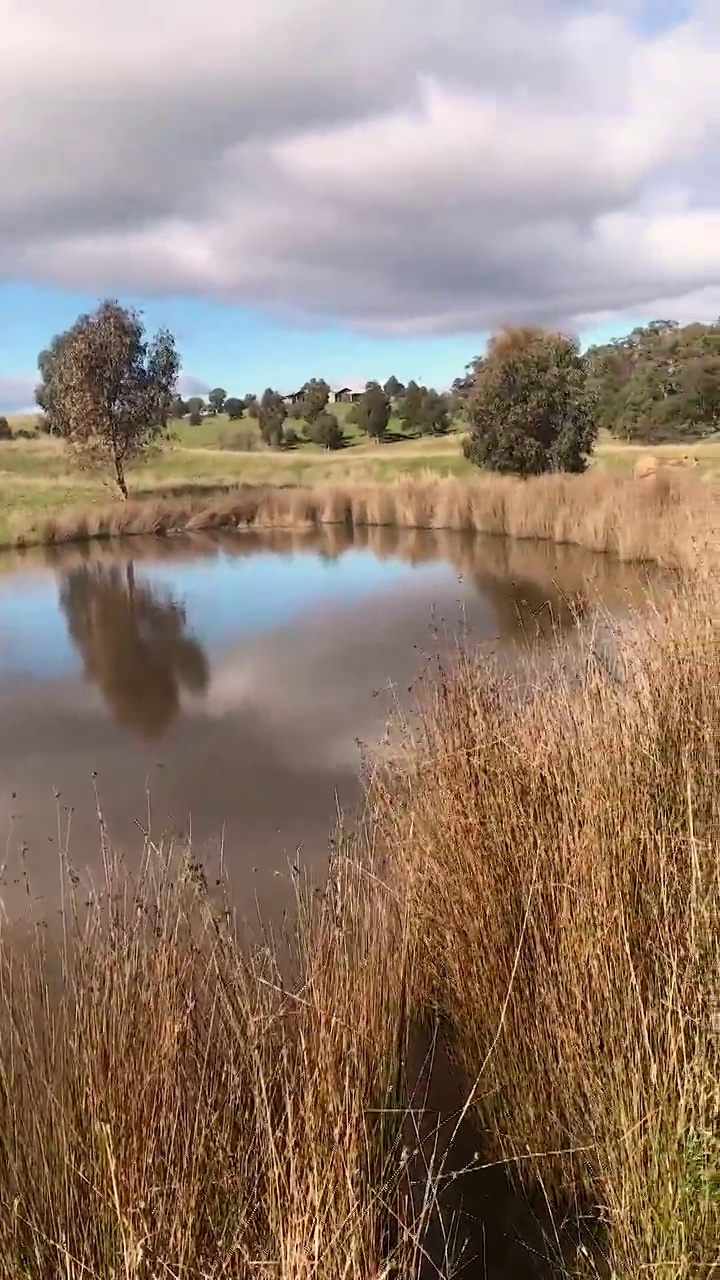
x: 120, y: 477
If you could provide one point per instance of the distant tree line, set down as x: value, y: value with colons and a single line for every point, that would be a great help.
x: 532, y: 403
x: 420, y: 410
x: 661, y: 381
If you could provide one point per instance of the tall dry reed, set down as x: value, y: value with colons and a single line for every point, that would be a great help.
x: 556, y: 837
x: 176, y: 1104
x: 671, y: 519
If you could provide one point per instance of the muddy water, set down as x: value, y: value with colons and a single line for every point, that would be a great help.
x: 219, y: 688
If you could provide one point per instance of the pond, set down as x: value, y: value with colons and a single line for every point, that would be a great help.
x: 220, y: 688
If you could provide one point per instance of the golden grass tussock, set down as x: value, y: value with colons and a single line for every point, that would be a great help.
x: 174, y: 1102
x: 669, y: 516
x: 645, y: 467
x: 556, y: 839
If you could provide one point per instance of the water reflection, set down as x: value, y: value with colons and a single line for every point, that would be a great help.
x: 134, y: 645
x: 218, y: 686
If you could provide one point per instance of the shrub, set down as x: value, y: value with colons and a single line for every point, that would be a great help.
x: 245, y: 440
x: 529, y: 406
x: 327, y: 431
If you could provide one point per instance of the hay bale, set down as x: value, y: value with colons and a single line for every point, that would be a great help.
x: 646, y: 467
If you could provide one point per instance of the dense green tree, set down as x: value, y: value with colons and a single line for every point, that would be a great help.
x: 393, y: 388
x: 5, y: 429
x: 530, y: 408
x: 433, y: 418
x: 372, y: 411
x: 106, y: 389
x: 409, y: 408
x: 327, y: 431
x: 424, y: 410
x: 195, y: 406
x: 315, y: 396
x: 662, y: 381
x: 234, y: 408
x: 250, y: 402
x: 178, y: 408
x: 216, y: 399
x: 272, y: 413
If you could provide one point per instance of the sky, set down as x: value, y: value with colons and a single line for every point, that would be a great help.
x: 350, y: 189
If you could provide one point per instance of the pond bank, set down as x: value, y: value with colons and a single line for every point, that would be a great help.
x: 672, y: 520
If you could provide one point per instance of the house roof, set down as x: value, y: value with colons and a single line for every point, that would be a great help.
x: 356, y: 388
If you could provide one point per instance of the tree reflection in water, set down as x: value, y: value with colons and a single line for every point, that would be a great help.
x: 134, y: 645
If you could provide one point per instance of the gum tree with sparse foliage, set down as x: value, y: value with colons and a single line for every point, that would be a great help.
x: 529, y: 405
x: 409, y: 408
x: 195, y: 408
x: 393, y: 388
x: 433, y: 417
x: 272, y: 413
x: 107, y: 390
x: 315, y: 396
x: 372, y: 412
x: 327, y: 431
x: 424, y: 410
x: 217, y: 398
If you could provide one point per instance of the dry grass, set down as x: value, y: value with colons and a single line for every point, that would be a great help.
x: 558, y: 844
x: 176, y: 1104
x: 668, y: 518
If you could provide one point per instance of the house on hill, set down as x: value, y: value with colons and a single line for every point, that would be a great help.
x: 338, y: 395
x: 346, y: 395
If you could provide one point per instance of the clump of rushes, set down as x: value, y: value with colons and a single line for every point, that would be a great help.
x: 174, y: 1102
x: 560, y: 852
x: 667, y: 518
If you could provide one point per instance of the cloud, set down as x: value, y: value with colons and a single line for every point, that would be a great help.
x: 188, y: 385
x: 17, y: 395
x: 409, y: 168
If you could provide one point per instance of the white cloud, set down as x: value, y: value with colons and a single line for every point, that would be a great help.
x: 406, y: 168
x: 188, y: 385
x: 17, y: 395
